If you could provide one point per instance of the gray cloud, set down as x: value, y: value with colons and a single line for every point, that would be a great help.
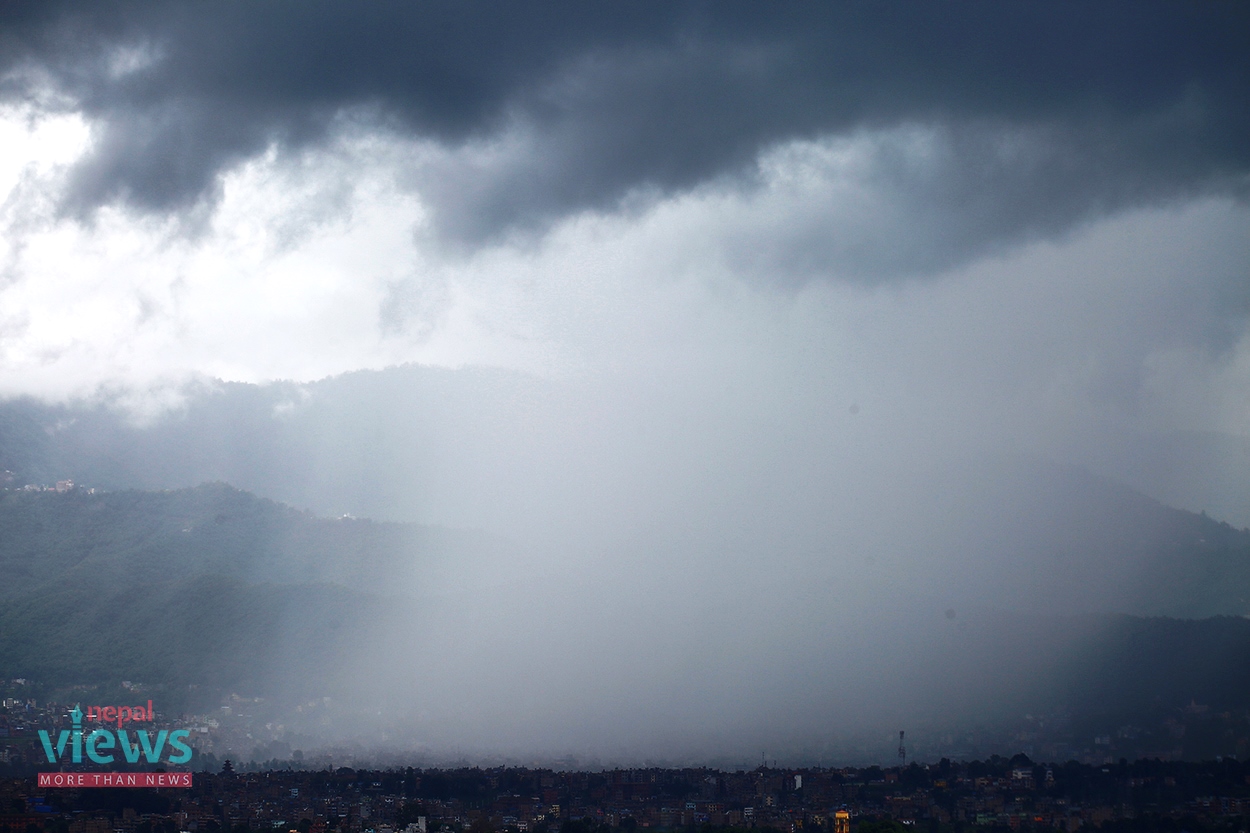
x: 1051, y: 114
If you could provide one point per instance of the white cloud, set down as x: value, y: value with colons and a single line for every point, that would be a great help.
x: 327, y: 262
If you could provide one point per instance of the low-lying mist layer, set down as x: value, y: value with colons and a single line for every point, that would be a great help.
x: 756, y: 586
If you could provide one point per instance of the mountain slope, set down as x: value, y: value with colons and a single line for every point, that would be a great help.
x: 208, y: 587
x: 490, y: 448
x: 1059, y: 540
x: 118, y: 539
x: 208, y: 590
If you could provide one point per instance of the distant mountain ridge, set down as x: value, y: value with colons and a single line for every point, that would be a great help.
x: 1058, y: 539
x: 211, y: 586
x: 214, y: 529
x: 1036, y: 536
x: 342, y: 445
x: 1067, y: 593
x: 207, y: 590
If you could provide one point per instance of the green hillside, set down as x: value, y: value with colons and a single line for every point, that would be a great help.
x: 200, y: 591
x: 118, y: 539
x: 208, y: 587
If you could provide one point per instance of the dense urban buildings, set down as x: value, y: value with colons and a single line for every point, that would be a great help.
x: 315, y: 797
x: 999, y: 793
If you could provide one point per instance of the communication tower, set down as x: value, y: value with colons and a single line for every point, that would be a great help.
x: 902, y: 750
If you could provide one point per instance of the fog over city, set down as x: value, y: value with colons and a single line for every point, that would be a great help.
x: 796, y: 374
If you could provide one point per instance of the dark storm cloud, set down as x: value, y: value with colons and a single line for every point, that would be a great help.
x: 1109, y: 105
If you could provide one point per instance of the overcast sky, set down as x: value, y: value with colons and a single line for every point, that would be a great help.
x: 1029, y: 217
x: 761, y: 262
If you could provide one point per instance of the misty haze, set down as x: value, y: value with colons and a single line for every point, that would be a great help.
x: 624, y: 385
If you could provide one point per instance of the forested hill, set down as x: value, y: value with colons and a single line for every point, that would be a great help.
x: 208, y: 587
x: 207, y: 590
x: 119, y: 539
x: 1062, y: 541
